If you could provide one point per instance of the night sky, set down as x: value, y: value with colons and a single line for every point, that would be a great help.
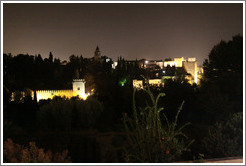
x: 151, y: 31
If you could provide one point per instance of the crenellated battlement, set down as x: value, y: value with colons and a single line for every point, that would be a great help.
x: 46, y: 94
x: 78, y: 80
x: 54, y: 91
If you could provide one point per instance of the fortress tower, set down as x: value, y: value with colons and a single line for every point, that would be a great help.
x: 79, y: 87
x: 191, y: 67
x: 97, y: 54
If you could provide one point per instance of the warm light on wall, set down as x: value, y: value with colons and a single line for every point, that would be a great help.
x: 83, y: 96
x: 155, y: 82
x: 170, y: 63
x: 39, y: 96
x: 138, y: 83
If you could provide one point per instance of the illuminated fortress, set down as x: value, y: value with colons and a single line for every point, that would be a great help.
x: 78, y: 90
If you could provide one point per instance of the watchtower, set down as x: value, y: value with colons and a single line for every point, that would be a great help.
x: 79, y: 87
x: 97, y: 54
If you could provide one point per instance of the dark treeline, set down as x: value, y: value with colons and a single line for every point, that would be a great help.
x: 214, y: 108
x: 34, y: 72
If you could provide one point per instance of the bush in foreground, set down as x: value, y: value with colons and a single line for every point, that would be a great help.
x: 225, y: 139
x: 15, y: 153
x: 68, y: 114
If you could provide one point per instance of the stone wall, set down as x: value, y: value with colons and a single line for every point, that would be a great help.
x: 46, y: 94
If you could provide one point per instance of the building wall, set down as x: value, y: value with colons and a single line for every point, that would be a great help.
x: 191, y: 67
x: 191, y: 59
x: 160, y: 64
x: 179, y: 61
x: 46, y: 94
x: 199, y: 74
x: 137, y: 83
x: 78, y: 87
x: 20, y: 95
x: 152, y: 82
x: 170, y: 63
x: 114, y: 65
x: 155, y: 82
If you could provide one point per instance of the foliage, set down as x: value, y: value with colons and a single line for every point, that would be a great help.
x: 224, y: 69
x: 148, y: 140
x: 34, y: 72
x: 6, y: 95
x: 225, y: 58
x: 225, y: 138
x: 214, y: 105
x: 15, y: 153
x: 180, y: 74
x: 65, y: 114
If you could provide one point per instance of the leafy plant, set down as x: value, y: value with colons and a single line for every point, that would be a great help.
x: 15, y: 153
x: 225, y: 138
x: 148, y: 140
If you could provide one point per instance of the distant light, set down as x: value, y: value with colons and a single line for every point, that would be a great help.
x: 164, y: 71
x: 146, y: 62
x: 123, y: 82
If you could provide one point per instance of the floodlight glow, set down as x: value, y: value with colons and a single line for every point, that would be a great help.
x: 83, y: 96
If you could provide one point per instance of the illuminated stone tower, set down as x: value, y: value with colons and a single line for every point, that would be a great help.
x: 191, y: 67
x: 97, y: 54
x: 79, y: 88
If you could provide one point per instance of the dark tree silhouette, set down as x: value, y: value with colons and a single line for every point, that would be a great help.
x: 225, y: 58
x: 51, y: 57
x: 224, y: 70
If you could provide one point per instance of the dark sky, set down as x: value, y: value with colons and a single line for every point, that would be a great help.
x: 152, y: 31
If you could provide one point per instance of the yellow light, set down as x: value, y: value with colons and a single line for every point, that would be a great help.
x: 83, y: 96
x: 39, y: 97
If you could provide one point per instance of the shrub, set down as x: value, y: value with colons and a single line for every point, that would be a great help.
x: 65, y: 114
x: 225, y: 138
x: 148, y: 141
x: 15, y: 153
